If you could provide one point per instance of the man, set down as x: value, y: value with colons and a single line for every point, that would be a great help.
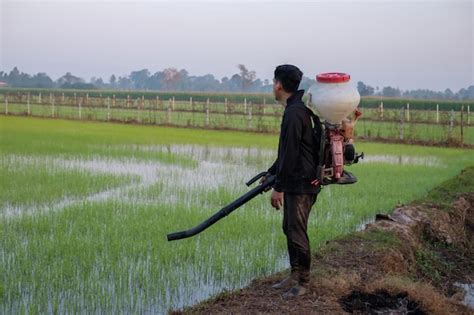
x: 296, y: 186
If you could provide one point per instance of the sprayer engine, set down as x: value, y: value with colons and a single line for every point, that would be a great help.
x: 338, y: 151
x: 334, y: 99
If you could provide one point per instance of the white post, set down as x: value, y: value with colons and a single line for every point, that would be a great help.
x: 168, y: 116
x: 62, y: 99
x: 172, y: 106
x: 381, y: 110
x: 87, y: 99
x: 50, y: 98
x: 225, y: 105
x: 39, y: 98
x: 408, y: 112
x: 80, y: 105
x: 402, y: 123
x: 52, y: 107
x: 138, y: 104
x: 250, y: 117
x: 451, y: 123
x: 468, y: 115
x: 108, y: 108
x: 437, y: 113
x: 245, y: 106
x: 191, y: 101
x: 75, y: 99
x: 264, y: 104
x: 207, y: 112
x: 28, y: 104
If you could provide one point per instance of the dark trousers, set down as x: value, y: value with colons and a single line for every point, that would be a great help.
x: 296, y: 211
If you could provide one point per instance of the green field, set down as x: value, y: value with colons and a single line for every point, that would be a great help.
x: 86, y: 207
x: 256, y: 118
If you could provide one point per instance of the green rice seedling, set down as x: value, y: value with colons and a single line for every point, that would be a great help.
x: 109, y: 254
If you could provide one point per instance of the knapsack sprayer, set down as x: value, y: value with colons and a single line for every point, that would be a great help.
x: 334, y: 99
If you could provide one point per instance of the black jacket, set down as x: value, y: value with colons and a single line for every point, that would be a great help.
x: 295, y: 166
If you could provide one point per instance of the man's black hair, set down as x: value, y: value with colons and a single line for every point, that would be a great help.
x: 289, y: 76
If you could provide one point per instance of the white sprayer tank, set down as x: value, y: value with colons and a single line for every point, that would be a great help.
x: 333, y: 96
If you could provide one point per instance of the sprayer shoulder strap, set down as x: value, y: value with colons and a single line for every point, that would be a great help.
x: 319, y: 137
x: 317, y: 125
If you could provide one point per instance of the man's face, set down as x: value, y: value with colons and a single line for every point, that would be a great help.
x: 277, y: 89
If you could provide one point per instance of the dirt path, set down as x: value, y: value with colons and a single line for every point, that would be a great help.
x: 404, y: 263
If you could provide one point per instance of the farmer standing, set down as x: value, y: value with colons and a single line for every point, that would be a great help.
x: 296, y: 187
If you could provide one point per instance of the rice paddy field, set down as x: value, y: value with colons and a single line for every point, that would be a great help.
x: 426, y: 126
x: 86, y: 206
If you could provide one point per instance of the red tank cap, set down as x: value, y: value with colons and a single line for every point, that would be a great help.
x: 333, y: 77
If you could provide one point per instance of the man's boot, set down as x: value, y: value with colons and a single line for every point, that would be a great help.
x: 297, y: 290
x: 286, y: 283
x: 301, y: 287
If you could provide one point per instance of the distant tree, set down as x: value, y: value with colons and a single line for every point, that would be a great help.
x: 78, y: 86
x: 390, y: 91
x: 68, y: 79
x: 98, y: 82
x: 364, y: 90
x: 205, y: 83
x: 246, y: 76
x: 156, y: 81
x: 256, y: 85
x: 183, y: 82
x: 113, y: 81
x: 470, y: 92
x: 306, y: 83
x: 465, y: 94
x: 268, y: 86
x: 235, y: 83
x: 139, y: 78
x: 42, y: 80
x: 15, y: 78
x: 224, y: 85
x: 448, y: 94
x: 124, y: 83
x: 171, y: 78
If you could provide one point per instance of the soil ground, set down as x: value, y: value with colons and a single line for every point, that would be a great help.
x: 406, y: 262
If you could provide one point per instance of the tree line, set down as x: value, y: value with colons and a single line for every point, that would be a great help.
x: 388, y: 91
x: 172, y: 79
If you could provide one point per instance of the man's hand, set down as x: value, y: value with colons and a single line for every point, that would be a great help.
x: 277, y: 199
x: 264, y: 178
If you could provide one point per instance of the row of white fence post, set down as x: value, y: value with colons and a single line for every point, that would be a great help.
x: 247, y: 108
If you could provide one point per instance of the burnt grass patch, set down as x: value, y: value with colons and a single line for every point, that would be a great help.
x: 380, y: 302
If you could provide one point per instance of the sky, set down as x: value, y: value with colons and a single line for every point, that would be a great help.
x: 405, y: 44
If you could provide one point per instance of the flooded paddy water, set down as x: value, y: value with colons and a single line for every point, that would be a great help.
x: 103, y: 249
